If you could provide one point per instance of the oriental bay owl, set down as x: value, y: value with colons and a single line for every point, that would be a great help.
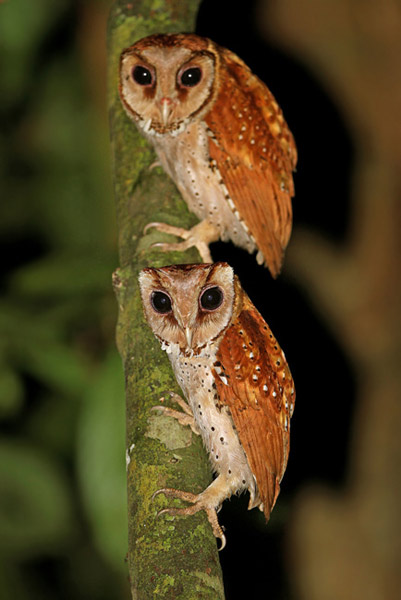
x: 220, y: 135
x: 238, y: 387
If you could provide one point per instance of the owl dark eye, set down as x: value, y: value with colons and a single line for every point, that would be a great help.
x: 142, y: 75
x: 211, y: 298
x: 191, y: 77
x: 160, y: 302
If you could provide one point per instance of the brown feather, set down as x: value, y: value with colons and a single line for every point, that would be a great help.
x: 255, y: 154
x: 260, y: 395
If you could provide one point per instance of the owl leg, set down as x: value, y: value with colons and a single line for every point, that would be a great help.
x: 185, y: 418
x: 198, y: 503
x: 200, y: 236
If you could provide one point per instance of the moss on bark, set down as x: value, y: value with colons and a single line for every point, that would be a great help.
x: 168, y: 557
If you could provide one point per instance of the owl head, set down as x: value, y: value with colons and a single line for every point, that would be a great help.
x: 165, y: 80
x: 189, y: 305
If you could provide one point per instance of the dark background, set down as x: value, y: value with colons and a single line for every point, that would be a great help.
x: 62, y: 476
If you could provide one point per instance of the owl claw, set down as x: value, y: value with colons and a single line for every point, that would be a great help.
x: 184, y: 418
x: 223, y: 541
x: 199, y: 236
x: 191, y: 510
x: 154, y: 164
x: 165, y: 228
x: 184, y: 405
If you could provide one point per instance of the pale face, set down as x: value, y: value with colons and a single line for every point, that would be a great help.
x: 188, y: 305
x: 163, y: 87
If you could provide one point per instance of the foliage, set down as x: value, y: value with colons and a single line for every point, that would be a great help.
x: 62, y: 477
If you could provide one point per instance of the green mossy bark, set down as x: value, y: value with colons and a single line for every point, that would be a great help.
x: 168, y: 557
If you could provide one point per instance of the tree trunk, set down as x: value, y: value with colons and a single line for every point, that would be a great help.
x: 169, y: 557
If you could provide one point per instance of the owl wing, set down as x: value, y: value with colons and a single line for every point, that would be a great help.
x: 255, y: 153
x: 253, y: 379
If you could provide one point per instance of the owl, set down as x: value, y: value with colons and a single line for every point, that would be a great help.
x: 220, y: 135
x: 239, y: 393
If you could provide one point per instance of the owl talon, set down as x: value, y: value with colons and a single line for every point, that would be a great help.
x: 184, y: 418
x: 191, y: 510
x: 165, y: 228
x: 173, y: 493
x: 199, y: 236
x: 184, y: 405
x: 154, y: 164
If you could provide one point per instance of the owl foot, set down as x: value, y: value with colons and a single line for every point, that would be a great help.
x: 154, y: 164
x: 200, y: 236
x: 185, y: 418
x: 184, y: 405
x: 197, y: 505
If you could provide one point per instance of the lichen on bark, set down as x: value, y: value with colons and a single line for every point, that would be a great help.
x: 167, y: 557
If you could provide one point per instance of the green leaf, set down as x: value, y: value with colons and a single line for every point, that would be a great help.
x: 38, y: 348
x: 56, y: 365
x: 64, y: 274
x: 35, y: 504
x: 22, y: 25
x: 53, y: 423
x: 101, y: 460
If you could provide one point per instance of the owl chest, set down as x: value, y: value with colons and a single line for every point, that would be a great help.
x: 186, y: 159
x: 213, y: 419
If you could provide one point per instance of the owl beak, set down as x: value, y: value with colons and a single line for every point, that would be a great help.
x: 188, y: 336
x: 166, y: 109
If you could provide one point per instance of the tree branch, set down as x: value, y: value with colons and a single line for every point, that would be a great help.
x: 168, y: 557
